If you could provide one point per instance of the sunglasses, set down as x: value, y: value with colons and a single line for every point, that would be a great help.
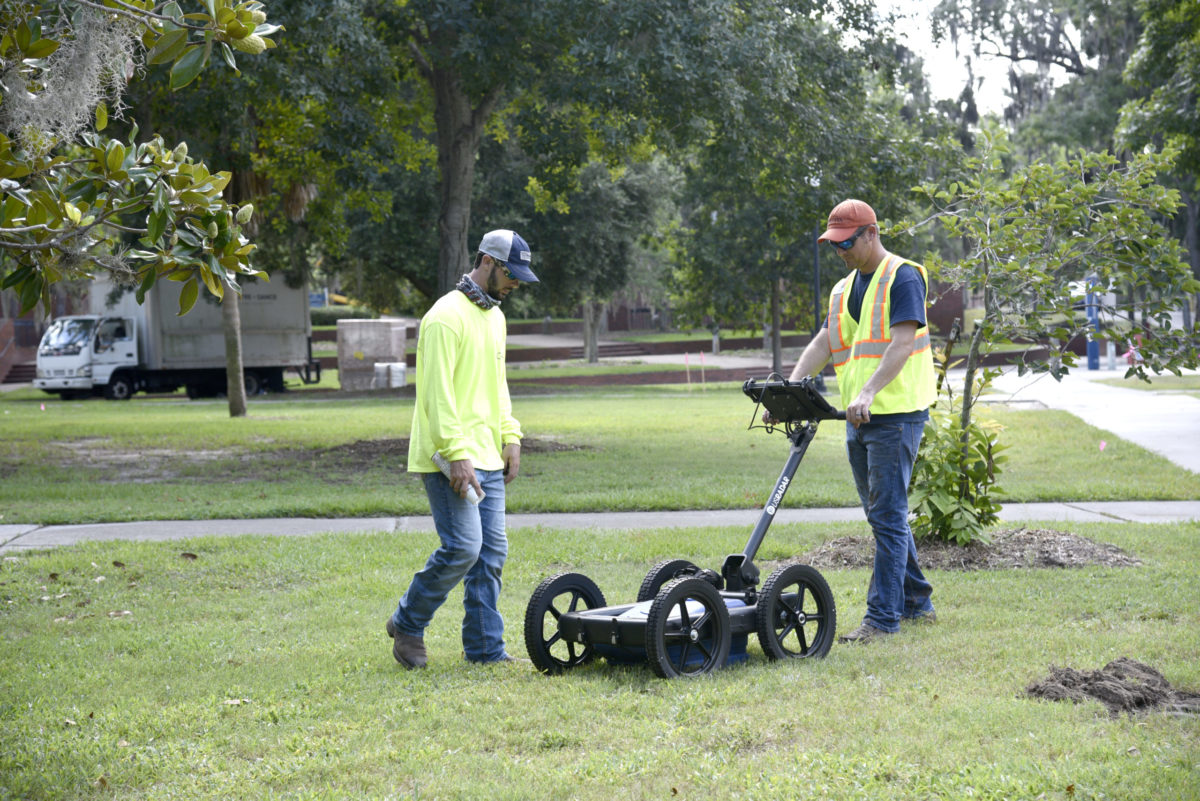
x: 507, y: 273
x: 846, y: 244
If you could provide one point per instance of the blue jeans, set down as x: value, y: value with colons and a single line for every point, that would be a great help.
x: 473, y: 550
x: 882, y: 457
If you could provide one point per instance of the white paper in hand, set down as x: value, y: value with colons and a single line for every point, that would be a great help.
x: 441, y: 464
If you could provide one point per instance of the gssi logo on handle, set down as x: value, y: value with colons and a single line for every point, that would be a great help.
x: 778, y: 496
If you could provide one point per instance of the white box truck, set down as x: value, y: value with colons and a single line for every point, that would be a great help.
x: 122, y: 347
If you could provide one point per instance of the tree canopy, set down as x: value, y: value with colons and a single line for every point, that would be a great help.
x: 76, y: 201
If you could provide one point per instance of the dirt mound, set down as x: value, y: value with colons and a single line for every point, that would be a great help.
x: 364, y: 451
x: 1123, y: 685
x: 1011, y: 548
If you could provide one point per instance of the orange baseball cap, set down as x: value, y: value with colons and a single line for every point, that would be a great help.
x: 846, y: 218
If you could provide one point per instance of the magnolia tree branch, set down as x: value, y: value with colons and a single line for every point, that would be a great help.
x: 140, y: 15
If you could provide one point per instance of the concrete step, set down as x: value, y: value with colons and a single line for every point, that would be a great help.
x: 614, y: 351
x: 21, y: 373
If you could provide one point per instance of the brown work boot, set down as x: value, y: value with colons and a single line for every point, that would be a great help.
x: 865, y: 633
x: 408, y: 650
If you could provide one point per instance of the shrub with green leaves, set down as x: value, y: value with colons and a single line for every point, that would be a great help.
x: 954, y: 479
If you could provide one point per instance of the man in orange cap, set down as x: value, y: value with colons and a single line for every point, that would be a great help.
x: 877, y: 338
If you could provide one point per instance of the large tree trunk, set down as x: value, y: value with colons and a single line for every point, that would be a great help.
x: 235, y: 385
x: 244, y: 188
x: 459, y: 131
x: 776, y: 323
x: 592, y: 312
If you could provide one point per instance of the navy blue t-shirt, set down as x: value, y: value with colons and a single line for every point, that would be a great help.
x: 908, y: 304
x: 907, y: 293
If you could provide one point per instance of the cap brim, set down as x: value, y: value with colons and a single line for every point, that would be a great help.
x: 522, y: 273
x: 837, y: 234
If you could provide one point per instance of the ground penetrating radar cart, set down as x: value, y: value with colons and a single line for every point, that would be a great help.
x: 689, y: 621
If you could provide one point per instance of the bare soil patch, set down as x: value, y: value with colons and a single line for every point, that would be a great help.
x: 365, y: 452
x: 1010, y: 548
x: 150, y: 465
x: 1123, y: 685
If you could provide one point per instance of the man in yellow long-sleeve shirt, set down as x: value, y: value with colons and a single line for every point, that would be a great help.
x: 463, y: 413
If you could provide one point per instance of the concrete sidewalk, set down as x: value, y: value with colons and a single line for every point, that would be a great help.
x: 16, y: 538
x: 1167, y: 423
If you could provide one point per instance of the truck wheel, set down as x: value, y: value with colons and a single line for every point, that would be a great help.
x: 252, y: 382
x: 201, y: 389
x: 120, y: 387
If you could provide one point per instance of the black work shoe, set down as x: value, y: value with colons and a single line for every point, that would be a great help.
x: 408, y: 650
x: 865, y: 633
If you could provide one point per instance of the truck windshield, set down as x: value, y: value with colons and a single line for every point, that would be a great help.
x: 66, y: 337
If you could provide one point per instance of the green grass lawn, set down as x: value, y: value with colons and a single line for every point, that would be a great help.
x: 259, y: 669
x: 635, y: 448
x: 1189, y: 384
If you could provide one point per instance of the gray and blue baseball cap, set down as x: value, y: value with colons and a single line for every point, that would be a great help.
x: 508, y: 247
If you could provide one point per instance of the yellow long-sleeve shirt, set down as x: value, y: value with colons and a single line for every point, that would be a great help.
x: 463, y: 409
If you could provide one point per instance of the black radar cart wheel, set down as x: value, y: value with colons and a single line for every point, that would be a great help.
x: 566, y: 593
x: 687, y: 629
x: 795, y: 614
x: 660, y: 574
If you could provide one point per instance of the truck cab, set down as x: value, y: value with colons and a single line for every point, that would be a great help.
x: 79, y: 354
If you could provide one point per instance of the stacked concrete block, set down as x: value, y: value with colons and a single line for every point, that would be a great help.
x: 363, y: 344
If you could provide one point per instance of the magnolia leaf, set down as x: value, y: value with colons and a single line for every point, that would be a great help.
x: 188, y: 67
x: 23, y: 36
x: 187, y: 297
x: 101, y: 116
x: 146, y: 284
x: 114, y: 156
x: 156, y: 224
x: 210, y: 280
x: 230, y: 59
x: 169, y: 47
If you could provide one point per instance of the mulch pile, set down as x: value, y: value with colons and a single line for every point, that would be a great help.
x: 1123, y: 685
x: 1011, y: 548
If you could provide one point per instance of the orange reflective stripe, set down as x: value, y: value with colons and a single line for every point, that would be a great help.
x: 881, y: 296
x: 839, y: 349
x: 874, y: 349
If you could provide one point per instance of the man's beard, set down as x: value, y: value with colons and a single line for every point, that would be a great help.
x: 493, y: 287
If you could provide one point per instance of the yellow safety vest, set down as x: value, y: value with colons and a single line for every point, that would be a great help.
x: 858, y: 346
